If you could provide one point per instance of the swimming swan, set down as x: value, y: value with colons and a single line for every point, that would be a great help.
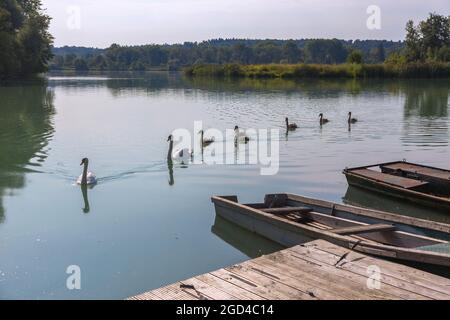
x: 350, y: 119
x: 86, y: 178
x: 290, y: 126
x: 240, y: 136
x: 322, y: 119
x: 205, y: 141
x: 178, y: 154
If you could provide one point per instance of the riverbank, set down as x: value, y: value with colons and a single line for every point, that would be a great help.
x: 293, y: 71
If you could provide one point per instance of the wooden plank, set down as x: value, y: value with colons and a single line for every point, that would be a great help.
x: 413, y: 274
x: 228, y: 287
x: 298, y: 282
x: 173, y: 292
x: 340, y: 280
x: 311, y: 275
x: 265, y: 291
x: 418, y: 169
x: 402, y: 278
x: 270, y: 283
x: 286, y: 210
x: 202, y: 289
x: 363, y: 229
x: 145, y: 296
x: 358, y: 275
x: 389, y: 179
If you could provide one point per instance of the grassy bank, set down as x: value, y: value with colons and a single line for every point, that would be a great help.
x: 293, y: 71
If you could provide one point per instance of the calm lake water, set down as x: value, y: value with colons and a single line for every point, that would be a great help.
x: 147, y: 224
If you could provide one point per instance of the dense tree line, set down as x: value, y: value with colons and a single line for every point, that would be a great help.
x: 221, y: 51
x: 25, y: 43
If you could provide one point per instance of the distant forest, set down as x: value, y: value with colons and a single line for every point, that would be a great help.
x: 221, y: 51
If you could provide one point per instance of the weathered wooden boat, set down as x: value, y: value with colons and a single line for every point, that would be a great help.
x: 424, y: 185
x: 291, y: 220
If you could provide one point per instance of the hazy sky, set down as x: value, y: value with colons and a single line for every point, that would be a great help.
x: 102, y: 22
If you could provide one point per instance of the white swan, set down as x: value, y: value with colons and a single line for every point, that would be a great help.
x: 178, y: 154
x: 205, y: 141
x: 240, y: 136
x: 86, y: 178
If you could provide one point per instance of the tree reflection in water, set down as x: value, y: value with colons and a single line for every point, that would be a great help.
x: 25, y: 131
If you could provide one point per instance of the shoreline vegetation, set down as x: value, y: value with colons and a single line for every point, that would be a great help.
x: 426, y: 54
x: 298, y: 71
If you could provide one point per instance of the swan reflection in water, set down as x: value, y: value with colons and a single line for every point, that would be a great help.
x: 183, y: 164
x: 287, y: 135
x: 170, y: 168
x: 84, y: 192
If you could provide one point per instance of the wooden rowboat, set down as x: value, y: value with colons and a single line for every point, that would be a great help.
x: 423, y: 185
x: 291, y: 220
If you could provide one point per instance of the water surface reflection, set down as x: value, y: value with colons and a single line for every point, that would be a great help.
x: 426, y: 113
x: 25, y: 130
x: 149, y: 214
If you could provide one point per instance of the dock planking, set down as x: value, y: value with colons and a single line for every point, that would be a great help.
x: 317, y: 270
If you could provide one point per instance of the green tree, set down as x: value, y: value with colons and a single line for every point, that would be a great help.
x: 355, y: 57
x: 396, y: 58
x: 425, y: 40
x: 413, y: 42
x: 435, y: 32
x: 25, y: 43
x: 291, y: 52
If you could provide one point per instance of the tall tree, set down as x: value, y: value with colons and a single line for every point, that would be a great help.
x: 413, y: 42
x: 426, y: 40
x: 25, y: 43
x: 435, y: 31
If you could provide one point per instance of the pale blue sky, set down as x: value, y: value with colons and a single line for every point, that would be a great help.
x: 103, y: 22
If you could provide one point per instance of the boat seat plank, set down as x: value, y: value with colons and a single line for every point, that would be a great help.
x: 287, y: 210
x: 416, y: 169
x: 390, y: 179
x: 363, y: 229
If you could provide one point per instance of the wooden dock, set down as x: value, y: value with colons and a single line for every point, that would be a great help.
x: 317, y: 270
